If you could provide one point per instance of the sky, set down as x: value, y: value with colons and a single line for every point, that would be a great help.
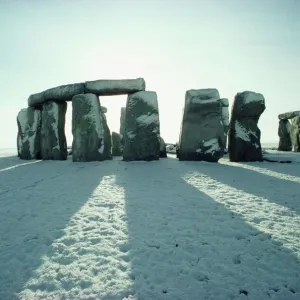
x: 175, y: 45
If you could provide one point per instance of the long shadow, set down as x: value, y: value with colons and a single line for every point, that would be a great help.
x: 36, y: 203
x: 185, y: 245
x: 10, y: 161
x: 279, y: 191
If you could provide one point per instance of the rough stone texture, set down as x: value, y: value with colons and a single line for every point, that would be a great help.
x: 202, y: 130
x: 116, y: 144
x: 244, y: 134
x: 289, y: 115
x: 284, y: 133
x: 53, y: 138
x: 29, y: 133
x: 162, y: 148
x: 60, y: 93
x: 107, y: 152
x: 115, y: 87
x: 225, y: 118
x: 295, y: 134
x: 122, y: 121
x: 89, y: 140
x: 103, y: 109
x: 142, y: 127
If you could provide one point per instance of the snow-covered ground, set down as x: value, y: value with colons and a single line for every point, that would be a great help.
x: 149, y: 230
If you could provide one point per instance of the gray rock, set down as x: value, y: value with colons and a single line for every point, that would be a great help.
x: 244, y: 134
x: 53, y: 138
x: 116, y: 144
x: 142, y: 127
x: 107, y: 152
x: 295, y: 134
x: 29, y: 133
x: 162, y: 148
x: 60, y: 93
x: 202, y: 129
x: 115, y: 87
x: 88, y: 128
x: 122, y: 121
x: 284, y: 133
x: 225, y: 118
x: 289, y: 115
x: 103, y: 109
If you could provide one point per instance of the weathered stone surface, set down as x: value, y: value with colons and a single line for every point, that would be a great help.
x: 244, y: 134
x: 122, y: 121
x: 89, y: 141
x: 29, y: 133
x: 116, y: 144
x: 284, y: 133
x: 289, y: 115
x: 53, y: 138
x: 142, y: 127
x: 115, y: 87
x: 225, y: 118
x: 107, y: 152
x: 60, y: 93
x: 103, y: 109
x: 202, y: 129
x: 162, y: 148
x: 295, y: 134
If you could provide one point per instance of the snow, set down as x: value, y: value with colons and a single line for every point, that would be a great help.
x: 202, y: 96
x: 131, y: 134
x: 148, y: 119
x: 253, y: 97
x: 213, y: 145
x: 242, y: 133
x: 186, y: 230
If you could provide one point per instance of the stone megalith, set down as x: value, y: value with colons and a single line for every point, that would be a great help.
x: 295, y: 133
x: 284, y: 133
x: 116, y: 144
x: 53, y: 138
x: 225, y: 118
x: 202, y: 129
x: 244, y: 134
x: 29, y: 133
x: 89, y: 142
x: 162, y: 148
x: 107, y: 136
x: 142, y: 127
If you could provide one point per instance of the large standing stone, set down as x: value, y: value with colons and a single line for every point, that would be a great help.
x: 202, y: 129
x: 107, y: 136
x: 289, y: 115
x: 244, y: 134
x: 114, y: 87
x: 142, y: 127
x: 162, y: 148
x: 116, y: 144
x: 60, y: 93
x: 284, y: 133
x: 295, y: 133
x: 29, y: 133
x: 53, y: 138
x: 122, y: 121
x: 89, y: 142
x: 225, y: 118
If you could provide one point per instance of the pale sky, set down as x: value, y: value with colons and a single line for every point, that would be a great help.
x: 175, y: 45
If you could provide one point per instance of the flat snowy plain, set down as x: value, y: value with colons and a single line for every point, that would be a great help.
x: 149, y: 230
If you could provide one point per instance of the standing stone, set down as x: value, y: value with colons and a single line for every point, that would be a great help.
x: 122, y: 125
x: 116, y: 144
x: 29, y: 133
x: 284, y: 133
x: 53, y: 138
x: 162, y: 148
x: 225, y: 118
x: 107, y: 136
x: 202, y: 129
x: 295, y: 133
x: 88, y: 129
x: 142, y: 127
x: 244, y: 134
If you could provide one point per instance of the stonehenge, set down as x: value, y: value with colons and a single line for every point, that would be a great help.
x: 289, y: 132
x: 244, y: 134
x: 205, y: 125
x: 202, y: 135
